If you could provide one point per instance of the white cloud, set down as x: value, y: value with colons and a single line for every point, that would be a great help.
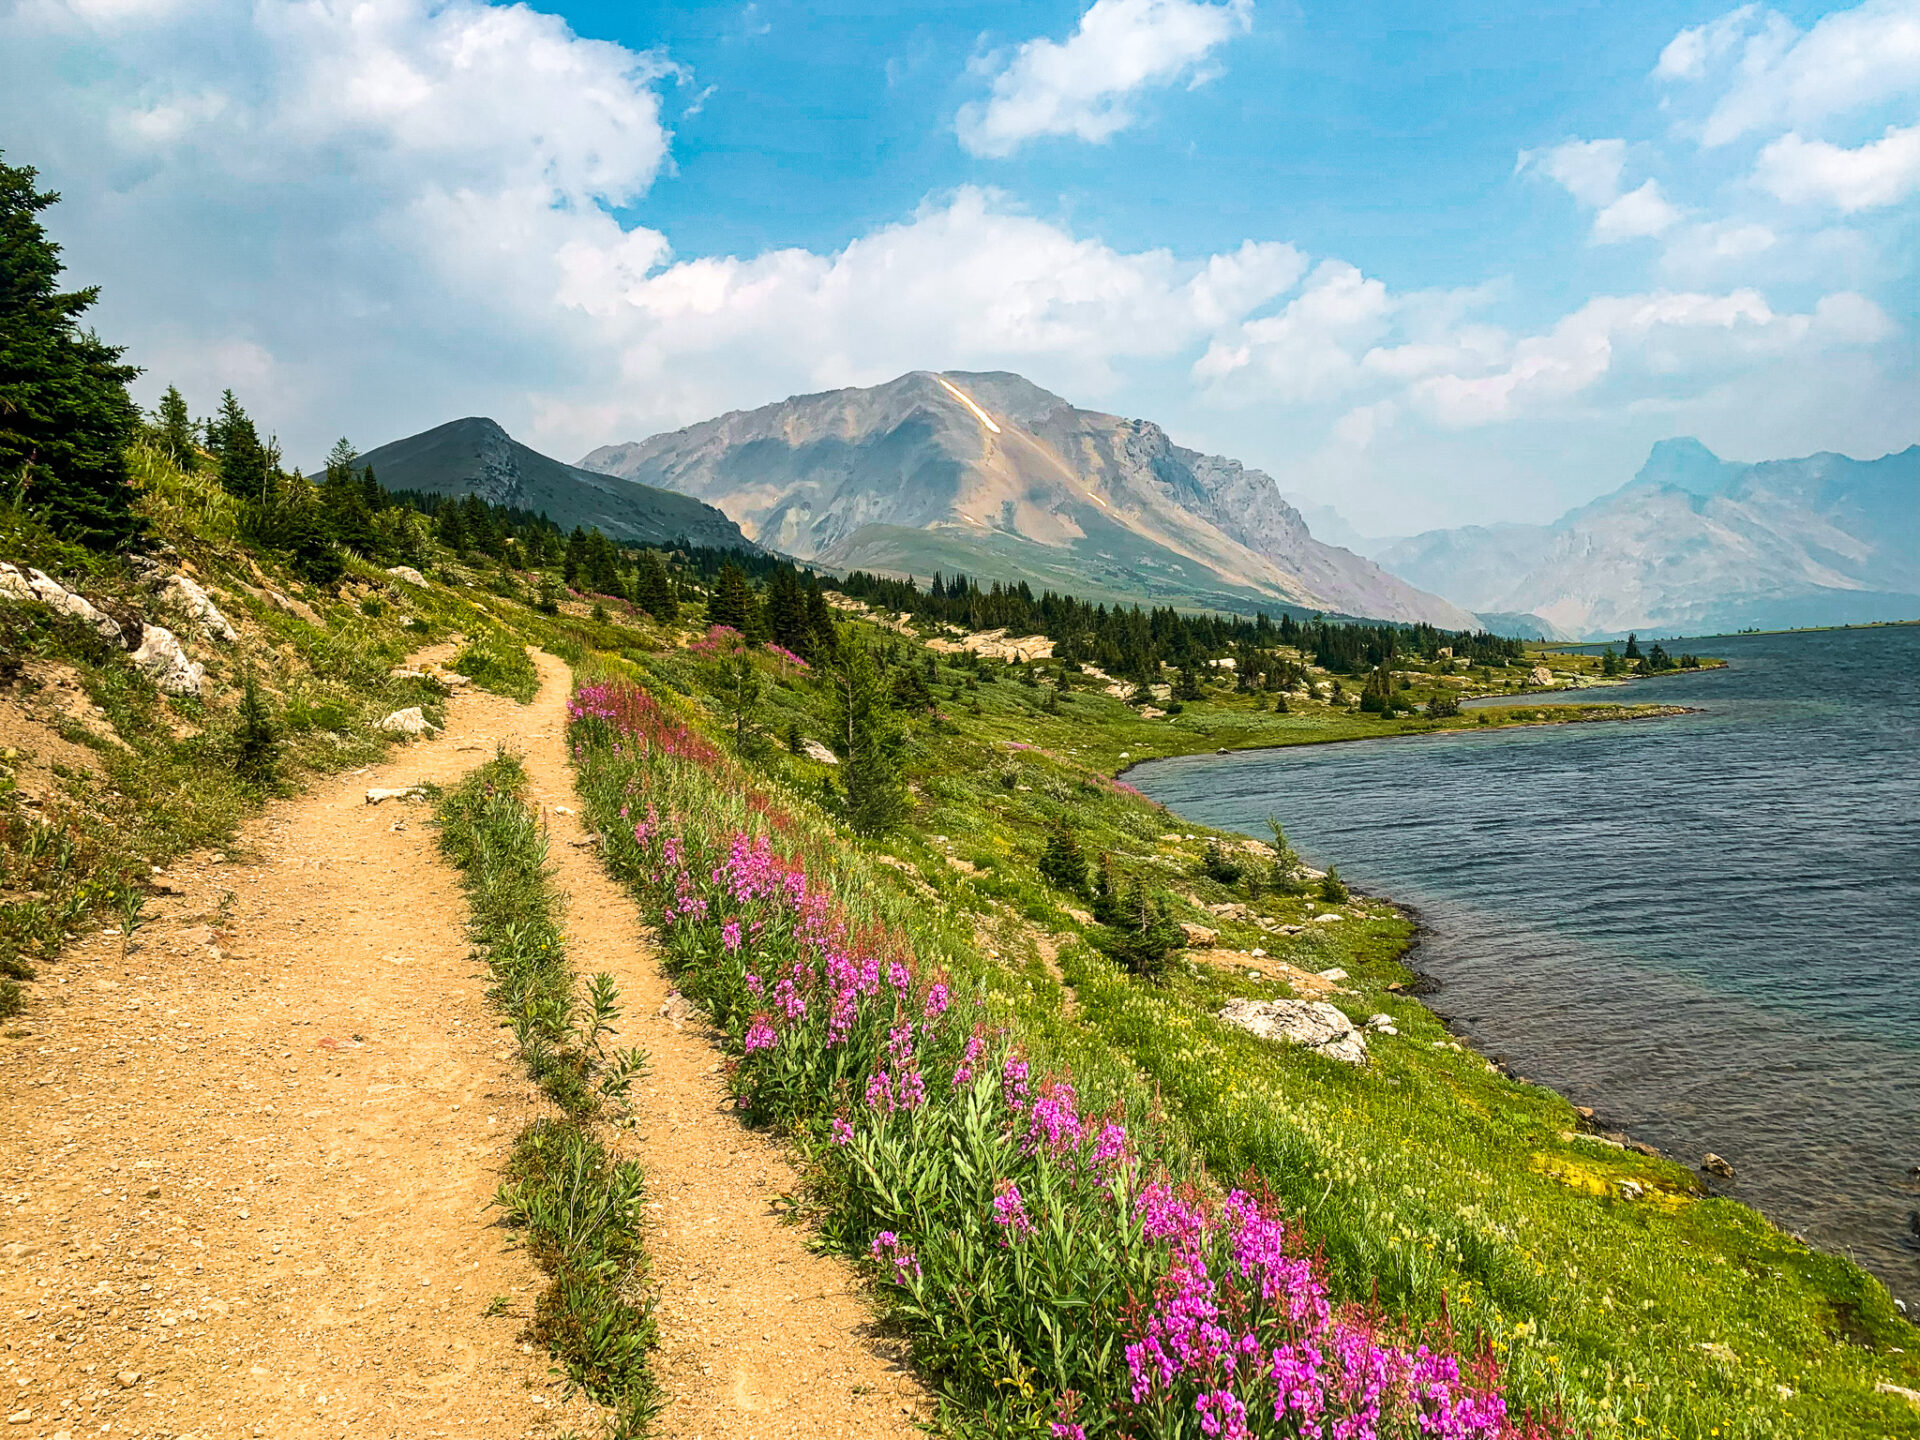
x: 1777, y: 75
x: 1309, y: 351
x: 1813, y: 172
x: 1669, y: 343
x: 1637, y: 215
x: 1082, y: 86
x: 1590, y: 171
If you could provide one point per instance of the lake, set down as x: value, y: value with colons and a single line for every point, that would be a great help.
x: 1705, y: 926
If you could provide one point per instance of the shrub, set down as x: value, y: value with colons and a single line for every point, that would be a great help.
x: 1333, y: 889
x: 497, y: 662
x: 1218, y: 866
x: 256, y: 739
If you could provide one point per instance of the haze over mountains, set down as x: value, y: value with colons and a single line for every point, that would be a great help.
x: 989, y: 475
x: 476, y: 456
x: 1695, y: 544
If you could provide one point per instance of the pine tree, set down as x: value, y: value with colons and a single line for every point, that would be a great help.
x: 825, y: 635
x: 256, y: 738
x: 576, y: 556
x: 244, y: 467
x: 868, y: 741
x: 729, y: 601
x: 1633, y: 647
x: 653, y: 591
x: 1061, y: 863
x: 787, y: 612
x: 173, y: 430
x: 65, y: 416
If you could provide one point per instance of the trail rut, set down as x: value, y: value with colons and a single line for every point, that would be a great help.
x: 245, y: 1169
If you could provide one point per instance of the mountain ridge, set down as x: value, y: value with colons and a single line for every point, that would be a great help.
x: 987, y: 463
x: 1695, y: 543
x: 476, y: 455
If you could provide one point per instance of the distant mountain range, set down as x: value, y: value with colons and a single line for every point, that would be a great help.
x: 1695, y: 544
x: 989, y: 475
x: 475, y: 456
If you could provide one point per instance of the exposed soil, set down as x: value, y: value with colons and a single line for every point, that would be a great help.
x: 245, y: 1169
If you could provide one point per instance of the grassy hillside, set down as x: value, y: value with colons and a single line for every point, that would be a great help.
x: 1442, y: 1199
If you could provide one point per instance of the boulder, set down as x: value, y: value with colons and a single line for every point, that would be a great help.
x: 183, y: 595
x: 1887, y: 1387
x: 1714, y: 1165
x: 55, y: 596
x: 1327, y: 919
x: 1383, y: 1023
x: 14, y: 586
x: 1198, y: 937
x: 1336, y: 974
x: 408, y: 574
x: 814, y: 750
x: 1315, y: 1024
x: 162, y: 661
x: 406, y: 722
x: 1539, y: 675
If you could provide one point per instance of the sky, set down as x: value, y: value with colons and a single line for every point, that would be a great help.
x: 1431, y: 264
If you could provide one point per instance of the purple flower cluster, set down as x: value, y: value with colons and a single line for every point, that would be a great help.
x: 1230, y: 1332
x: 1241, y: 1335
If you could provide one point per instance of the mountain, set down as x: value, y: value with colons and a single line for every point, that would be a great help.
x: 989, y: 475
x: 476, y: 456
x: 1696, y: 544
x: 1332, y: 527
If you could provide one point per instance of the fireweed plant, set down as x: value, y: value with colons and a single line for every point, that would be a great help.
x: 1062, y: 1265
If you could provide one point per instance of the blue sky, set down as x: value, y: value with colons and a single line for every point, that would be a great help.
x: 1432, y: 264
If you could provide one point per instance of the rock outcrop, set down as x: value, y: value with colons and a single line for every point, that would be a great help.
x: 162, y: 661
x: 1318, y: 1026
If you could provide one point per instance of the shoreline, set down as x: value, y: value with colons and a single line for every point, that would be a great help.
x: 1429, y: 988
x: 1646, y: 712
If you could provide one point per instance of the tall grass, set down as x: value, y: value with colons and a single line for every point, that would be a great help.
x: 578, y: 1207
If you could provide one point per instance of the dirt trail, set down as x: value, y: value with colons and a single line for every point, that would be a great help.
x: 758, y: 1336
x: 244, y: 1171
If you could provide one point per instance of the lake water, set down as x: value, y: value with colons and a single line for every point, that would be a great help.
x: 1706, y: 926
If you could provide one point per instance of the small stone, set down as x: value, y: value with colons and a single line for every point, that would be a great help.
x: 153, y: 1192
x: 1336, y: 974
x: 409, y: 721
x: 128, y: 1379
x: 408, y: 574
x: 410, y: 792
x: 1714, y: 1165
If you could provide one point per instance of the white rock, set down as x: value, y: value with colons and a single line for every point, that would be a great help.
x: 1380, y: 1020
x: 162, y: 660
x: 408, y: 574
x: 1327, y: 919
x: 1539, y: 675
x: 184, y: 595
x: 56, y: 596
x: 406, y: 722
x: 1887, y: 1387
x: 1335, y: 974
x: 410, y: 792
x: 814, y: 750
x: 1318, y: 1026
x: 13, y: 585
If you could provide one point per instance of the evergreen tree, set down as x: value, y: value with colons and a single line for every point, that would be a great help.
x: 1633, y: 647
x: 173, y: 430
x: 576, y: 556
x: 653, y: 591
x: 65, y: 417
x: 1377, y: 696
x: 1144, y: 937
x: 1333, y: 889
x: 344, y: 500
x: 729, y: 601
x: 868, y: 741
x: 824, y: 634
x: 738, y: 689
x: 786, y: 612
x: 245, y: 468
x: 1108, y: 897
x: 1061, y: 863
x: 1186, y: 684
